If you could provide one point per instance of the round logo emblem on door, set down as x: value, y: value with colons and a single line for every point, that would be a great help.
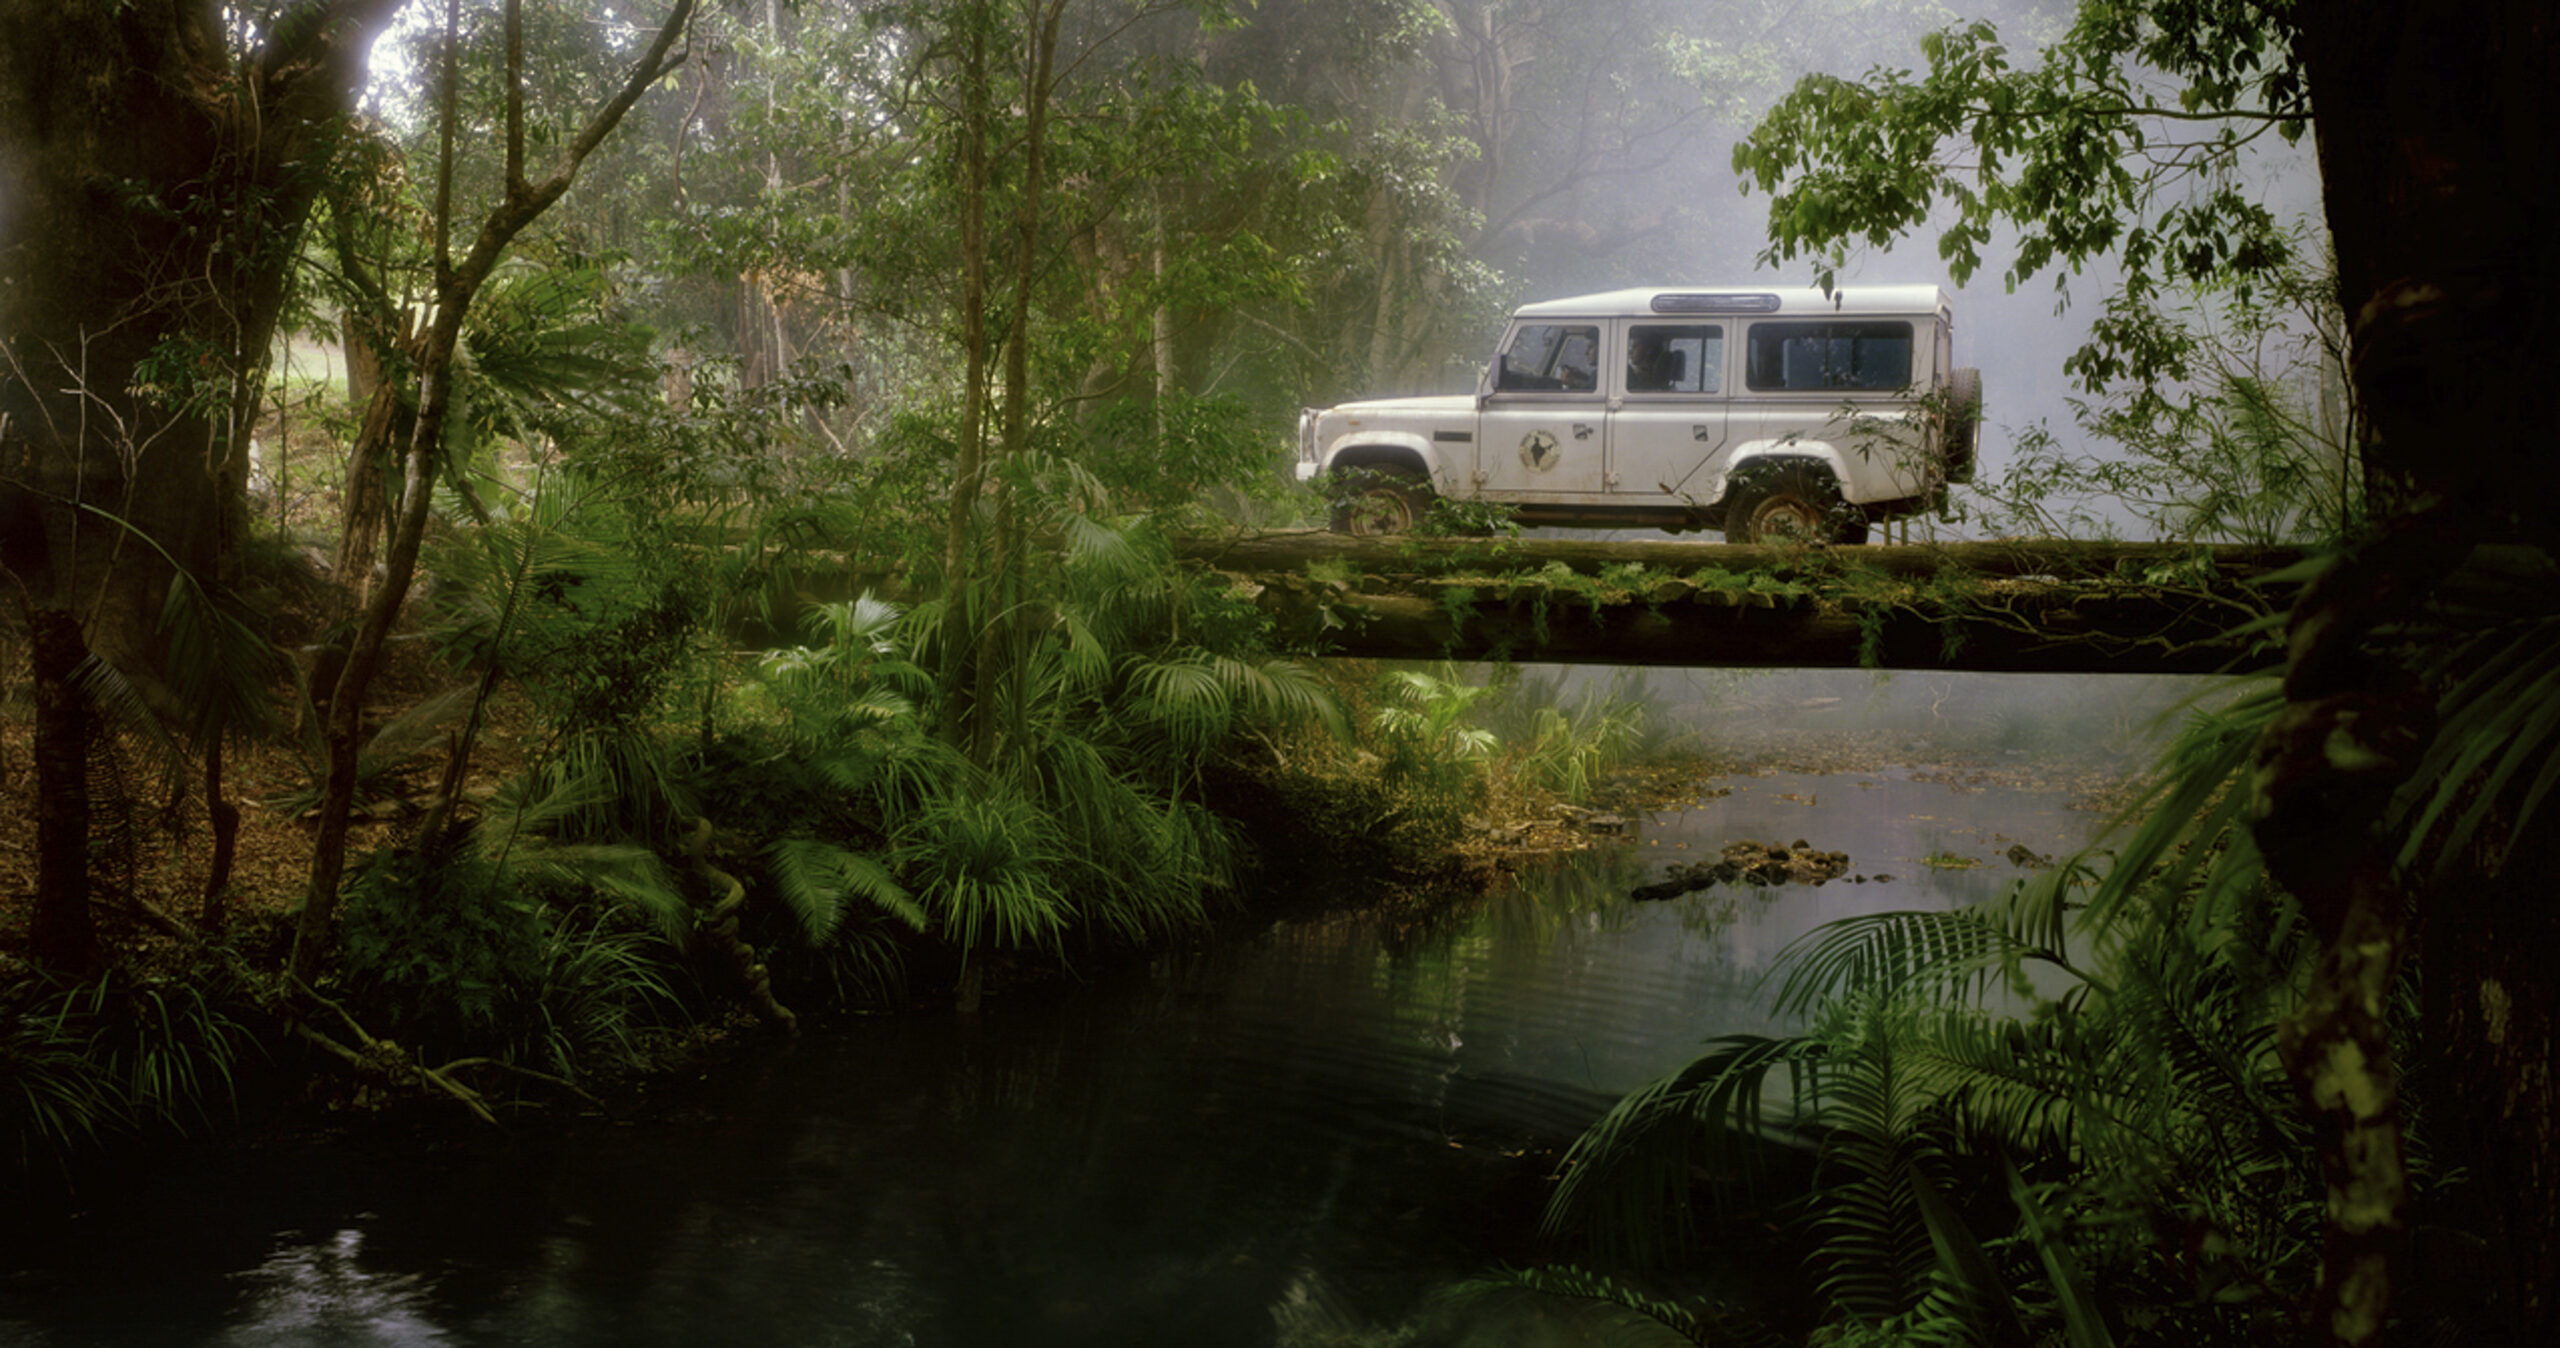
x: 1538, y: 451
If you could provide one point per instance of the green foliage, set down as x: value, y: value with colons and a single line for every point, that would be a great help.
x: 2108, y: 1065
x: 1176, y: 451
x: 1469, y: 517
x: 1433, y: 765
x: 1566, y: 747
x: 84, y: 1063
x: 1757, y: 589
x: 831, y: 890
x: 1082, y: 820
x: 1424, y: 715
x: 2488, y: 776
x: 2074, y: 154
x: 474, y: 957
x: 990, y: 870
x: 439, y: 955
x: 558, y: 596
x: 2243, y: 439
x: 600, y: 994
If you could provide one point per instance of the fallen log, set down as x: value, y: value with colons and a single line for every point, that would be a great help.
x: 1295, y: 550
x: 2016, y: 626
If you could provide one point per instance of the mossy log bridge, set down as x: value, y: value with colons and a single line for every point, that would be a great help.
x: 2040, y: 606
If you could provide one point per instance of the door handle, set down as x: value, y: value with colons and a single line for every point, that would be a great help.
x: 1581, y: 431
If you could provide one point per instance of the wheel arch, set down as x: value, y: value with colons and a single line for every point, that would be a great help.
x: 1388, y: 451
x: 1770, y: 456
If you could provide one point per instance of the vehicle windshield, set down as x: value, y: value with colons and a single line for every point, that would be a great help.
x: 1550, y: 357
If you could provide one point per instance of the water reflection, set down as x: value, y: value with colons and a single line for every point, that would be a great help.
x: 318, y: 1292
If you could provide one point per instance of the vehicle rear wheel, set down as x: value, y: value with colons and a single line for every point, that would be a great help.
x: 1790, y: 503
x: 1382, y: 501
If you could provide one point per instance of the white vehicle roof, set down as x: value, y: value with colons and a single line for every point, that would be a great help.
x: 1676, y: 301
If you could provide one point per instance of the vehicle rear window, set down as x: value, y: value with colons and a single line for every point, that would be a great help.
x: 1829, y: 356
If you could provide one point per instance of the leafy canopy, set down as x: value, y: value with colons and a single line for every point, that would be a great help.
x: 2141, y: 137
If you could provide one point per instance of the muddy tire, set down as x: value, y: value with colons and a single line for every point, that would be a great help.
x: 1790, y: 503
x: 1384, y: 501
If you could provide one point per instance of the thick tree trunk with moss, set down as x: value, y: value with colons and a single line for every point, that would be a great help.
x: 2439, y: 160
x: 152, y: 187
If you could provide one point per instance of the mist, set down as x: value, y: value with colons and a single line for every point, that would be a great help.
x: 1590, y: 213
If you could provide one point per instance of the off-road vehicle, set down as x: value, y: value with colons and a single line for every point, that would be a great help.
x: 1764, y: 413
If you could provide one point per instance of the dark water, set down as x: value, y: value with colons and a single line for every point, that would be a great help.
x: 1288, y: 1135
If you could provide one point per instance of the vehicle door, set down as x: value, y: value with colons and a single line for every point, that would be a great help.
x: 1543, y: 434
x: 1669, y: 420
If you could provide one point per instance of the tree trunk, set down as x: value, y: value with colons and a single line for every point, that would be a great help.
x: 457, y: 284
x: 64, y: 937
x: 132, y: 319
x: 960, y: 608
x: 364, y: 506
x: 2438, y: 164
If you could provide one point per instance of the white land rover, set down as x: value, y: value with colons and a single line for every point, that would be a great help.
x: 1764, y: 413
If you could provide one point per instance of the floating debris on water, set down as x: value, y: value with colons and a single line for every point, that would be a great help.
x: 1751, y: 863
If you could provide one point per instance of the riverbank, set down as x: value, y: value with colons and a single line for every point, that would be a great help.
x: 1304, y: 838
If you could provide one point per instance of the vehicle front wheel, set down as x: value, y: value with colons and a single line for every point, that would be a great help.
x: 1381, y: 501
x: 1793, y: 503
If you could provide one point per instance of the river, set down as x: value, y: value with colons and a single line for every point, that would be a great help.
x: 1288, y: 1134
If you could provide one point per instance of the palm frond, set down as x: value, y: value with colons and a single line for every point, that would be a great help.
x: 2084, y: 1323
x: 1187, y: 700
x: 2197, y: 803
x: 1663, y: 1320
x: 1898, y: 953
x: 818, y: 882
x: 218, y: 666
x: 1627, y: 1180
x: 127, y: 718
x: 630, y: 874
x: 1282, y: 691
x: 987, y: 867
x: 2500, y: 725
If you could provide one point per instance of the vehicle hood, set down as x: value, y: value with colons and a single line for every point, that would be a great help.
x: 1399, y: 409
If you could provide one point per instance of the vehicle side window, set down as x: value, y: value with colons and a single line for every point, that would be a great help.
x: 1832, y: 356
x: 1551, y: 357
x: 1662, y: 358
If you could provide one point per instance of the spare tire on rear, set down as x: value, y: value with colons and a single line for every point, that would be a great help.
x: 1964, y: 423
